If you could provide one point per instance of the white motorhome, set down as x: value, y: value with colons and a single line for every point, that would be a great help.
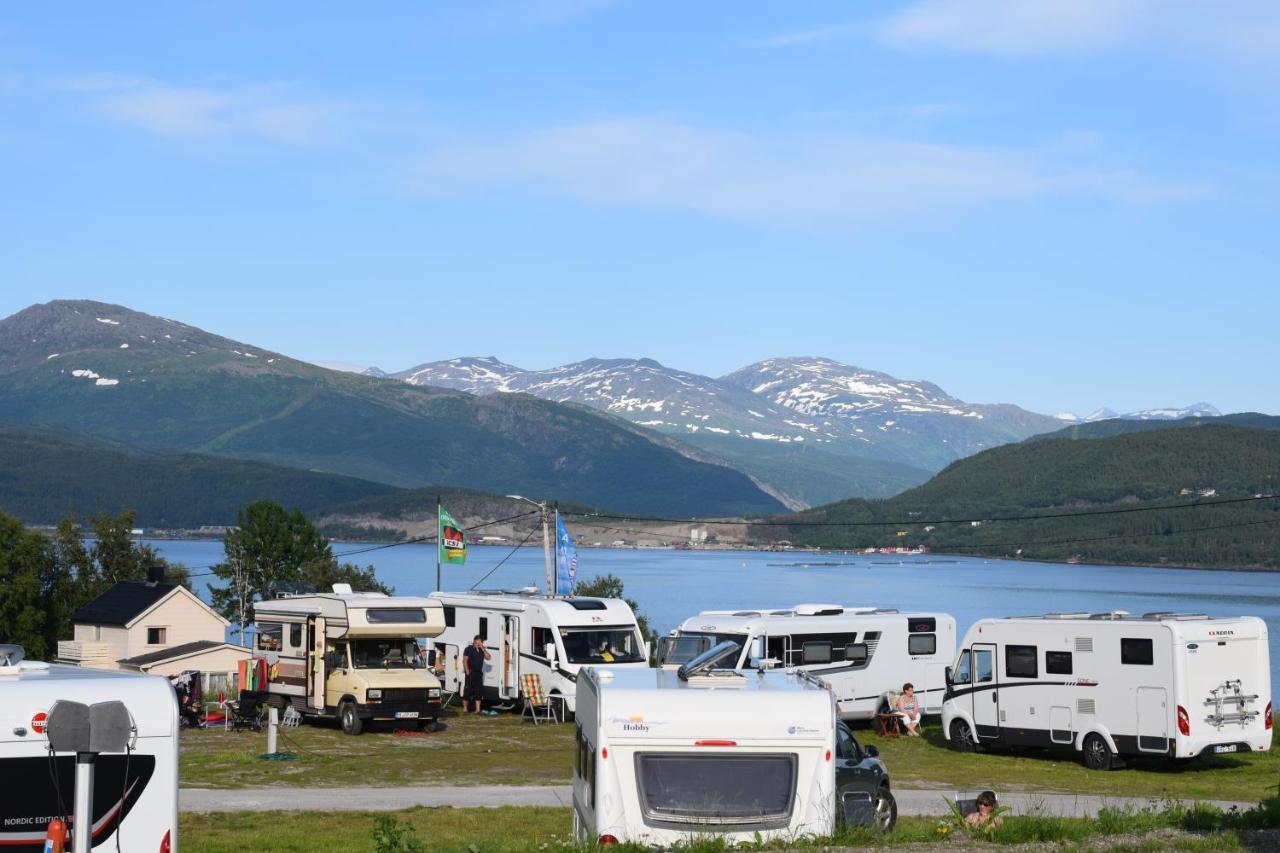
x: 525, y: 632
x: 140, y: 811
x: 661, y: 759
x: 350, y: 655
x: 1111, y: 684
x: 862, y: 653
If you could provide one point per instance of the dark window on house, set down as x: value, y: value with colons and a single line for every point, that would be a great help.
x: 1057, y: 663
x: 155, y: 636
x: 1136, y: 651
x: 450, y: 616
x: 484, y: 628
x: 922, y: 644
x: 295, y: 635
x: 1021, y: 661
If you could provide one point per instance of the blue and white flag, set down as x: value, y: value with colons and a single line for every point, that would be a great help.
x: 566, y: 558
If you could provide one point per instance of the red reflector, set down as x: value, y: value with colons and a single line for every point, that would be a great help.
x: 607, y: 839
x: 1269, y: 722
x: 828, y: 755
x: 604, y: 753
x: 715, y: 743
x: 1184, y: 721
x: 165, y: 845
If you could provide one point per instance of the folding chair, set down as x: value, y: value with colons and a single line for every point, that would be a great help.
x: 534, y: 699
x: 291, y: 718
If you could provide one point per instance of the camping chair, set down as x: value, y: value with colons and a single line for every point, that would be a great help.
x: 247, y: 713
x: 888, y: 721
x: 534, y: 699
x: 291, y: 718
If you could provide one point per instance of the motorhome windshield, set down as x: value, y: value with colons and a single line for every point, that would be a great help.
x: 385, y: 654
x: 608, y: 644
x: 674, y: 651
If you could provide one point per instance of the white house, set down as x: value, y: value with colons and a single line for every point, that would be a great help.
x: 157, y: 628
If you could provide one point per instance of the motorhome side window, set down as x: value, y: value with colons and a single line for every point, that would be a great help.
x: 1057, y: 663
x: 484, y: 628
x: 817, y: 651
x: 983, y: 665
x: 922, y: 644
x: 270, y: 635
x: 1021, y: 661
x: 450, y: 616
x: 541, y: 637
x: 295, y: 635
x: 963, y: 673
x: 1134, y: 650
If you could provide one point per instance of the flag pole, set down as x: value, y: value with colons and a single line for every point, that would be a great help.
x: 555, y: 556
x: 437, y: 543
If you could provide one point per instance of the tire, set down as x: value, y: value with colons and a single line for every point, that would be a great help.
x: 962, y: 739
x: 886, y: 812
x: 1097, y: 755
x: 351, y: 722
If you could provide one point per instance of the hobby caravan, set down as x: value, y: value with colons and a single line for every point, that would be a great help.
x: 135, y: 793
x: 861, y: 653
x: 662, y: 757
x: 1110, y: 684
x: 526, y: 633
x: 350, y: 655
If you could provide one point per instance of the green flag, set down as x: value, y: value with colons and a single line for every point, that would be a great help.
x: 452, y: 540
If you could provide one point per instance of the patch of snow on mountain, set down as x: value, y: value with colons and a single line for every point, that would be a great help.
x: 87, y: 374
x: 124, y: 346
x: 107, y: 321
x: 108, y: 382
x: 52, y: 355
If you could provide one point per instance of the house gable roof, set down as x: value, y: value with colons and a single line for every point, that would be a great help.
x: 175, y: 652
x: 122, y: 603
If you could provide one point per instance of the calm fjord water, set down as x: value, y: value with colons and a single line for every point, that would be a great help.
x: 673, y: 585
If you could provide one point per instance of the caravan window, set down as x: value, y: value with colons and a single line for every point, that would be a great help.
x: 295, y: 635
x: 601, y: 645
x: 484, y: 628
x: 716, y: 787
x: 1057, y: 663
x: 1021, y: 661
x: 983, y: 666
x: 396, y: 614
x: 963, y: 674
x: 817, y: 651
x: 1136, y: 651
x: 681, y: 650
x: 270, y: 635
x: 855, y: 653
x: 540, y: 638
x: 450, y: 616
x: 922, y: 644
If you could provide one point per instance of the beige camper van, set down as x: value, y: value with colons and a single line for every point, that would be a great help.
x: 353, y: 656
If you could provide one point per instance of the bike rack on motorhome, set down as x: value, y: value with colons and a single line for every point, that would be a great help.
x: 527, y: 633
x: 350, y: 655
x: 861, y: 652
x: 1176, y: 685
x: 135, y: 794
x: 664, y: 755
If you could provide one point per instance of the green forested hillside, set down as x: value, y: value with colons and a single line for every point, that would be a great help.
x: 1170, y: 466
x: 105, y: 371
x: 1121, y: 426
x: 44, y: 475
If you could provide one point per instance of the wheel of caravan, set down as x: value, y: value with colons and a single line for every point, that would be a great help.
x: 962, y: 737
x: 351, y: 722
x: 886, y: 816
x: 1097, y: 755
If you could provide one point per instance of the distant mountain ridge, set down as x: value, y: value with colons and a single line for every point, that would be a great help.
x: 1195, y: 410
x: 162, y: 386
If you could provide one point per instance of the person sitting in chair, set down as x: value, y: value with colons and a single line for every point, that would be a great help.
x: 909, y: 709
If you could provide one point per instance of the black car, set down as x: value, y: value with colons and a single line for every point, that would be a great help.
x: 862, y: 784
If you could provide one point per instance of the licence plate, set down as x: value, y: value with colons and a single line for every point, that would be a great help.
x: 413, y: 715
x: 1229, y: 747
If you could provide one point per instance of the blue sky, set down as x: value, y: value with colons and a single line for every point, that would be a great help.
x: 1058, y: 203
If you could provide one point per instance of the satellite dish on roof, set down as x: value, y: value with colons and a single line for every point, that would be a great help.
x: 11, y: 654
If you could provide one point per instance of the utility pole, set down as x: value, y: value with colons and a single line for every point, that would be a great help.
x: 546, y: 547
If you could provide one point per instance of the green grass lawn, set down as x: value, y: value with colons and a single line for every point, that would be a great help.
x: 505, y: 751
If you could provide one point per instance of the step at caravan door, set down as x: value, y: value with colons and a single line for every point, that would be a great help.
x: 986, y: 695
x: 1153, y: 719
x: 316, y: 674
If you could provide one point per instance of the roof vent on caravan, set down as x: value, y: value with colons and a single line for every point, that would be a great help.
x: 1114, y: 614
x: 705, y: 662
x: 818, y: 609
x: 1169, y: 614
x: 586, y: 603
x: 529, y: 590
x: 342, y: 589
x: 747, y: 613
x: 1065, y: 616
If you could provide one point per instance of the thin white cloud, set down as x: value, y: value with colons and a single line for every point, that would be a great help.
x: 1244, y: 29
x: 270, y: 112
x: 809, y: 36
x: 831, y: 179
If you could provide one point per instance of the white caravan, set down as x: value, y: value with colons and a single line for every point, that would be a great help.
x: 862, y: 653
x: 350, y: 655
x: 140, y: 812
x: 1111, y: 684
x: 661, y: 759
x: 527, y: 633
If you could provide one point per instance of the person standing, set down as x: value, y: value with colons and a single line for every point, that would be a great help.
x: 473, y: 658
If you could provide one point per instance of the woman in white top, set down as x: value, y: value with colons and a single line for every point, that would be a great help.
x: 909, y: 709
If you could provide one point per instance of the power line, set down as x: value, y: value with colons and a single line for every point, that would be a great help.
x: 901, y: 522
x: 504, y: 559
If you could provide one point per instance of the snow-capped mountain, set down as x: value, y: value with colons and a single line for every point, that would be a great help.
x: 1195, y: 410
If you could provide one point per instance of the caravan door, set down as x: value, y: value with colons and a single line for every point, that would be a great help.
x: 316, y: 674
x: 1153, y: 720
x: 986, y: 693
x: 509, y: 679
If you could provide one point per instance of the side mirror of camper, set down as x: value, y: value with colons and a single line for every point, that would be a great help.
x: 551, y: 654
x: 946, y: 675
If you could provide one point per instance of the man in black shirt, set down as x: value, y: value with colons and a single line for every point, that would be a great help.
x: 473, y: 658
